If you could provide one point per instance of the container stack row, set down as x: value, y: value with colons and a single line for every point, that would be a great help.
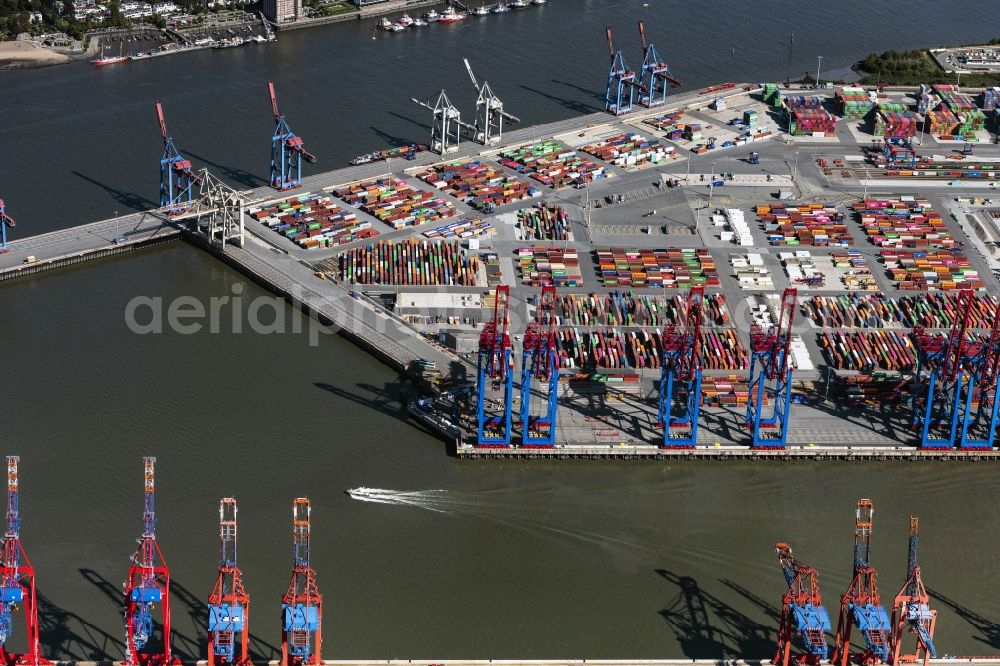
x: 671, y: 268
x: 858, y: 274
x: 544, y: 222
x: 927, y: 101
x: 720, y: 349
x: 869, y: 351
x: 771, y: 95
x: 942, y: 123
x: 410, y: 263
x: 810, y: 121
x: 871, y: 311
x: 991, y: 98
x: 471, y: 228
x: 478, y: 184
x: 949, y: 169
x: 853, y: 102
x: 670, y: 123
x: 903, y: 223
x: 311, y: 221
x: 630, y: 150
x: 739, y: 231
x: 631, y: 309
x: 895, y: 121
x: 395, y: 202
x: 544, y: 266
x: 804, y: 224
x: 552, y: 163
x: 941, y: 270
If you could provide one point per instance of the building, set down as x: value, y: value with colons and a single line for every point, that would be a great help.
x: 283, y: 11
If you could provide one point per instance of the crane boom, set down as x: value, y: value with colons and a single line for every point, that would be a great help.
x: 274, y: 101
x: 642, y: 34
x: 472, y: 76
x: 611, y: 44
x: 162, y: 121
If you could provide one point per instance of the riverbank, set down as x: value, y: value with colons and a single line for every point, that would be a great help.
x: 26, y: 55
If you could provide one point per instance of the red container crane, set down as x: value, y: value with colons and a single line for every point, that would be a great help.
x: 229, y: 603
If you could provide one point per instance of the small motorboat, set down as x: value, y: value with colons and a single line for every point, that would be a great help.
x: 420, y: 23
x: 396, y: 27
x: 500, y: 8
x: 385, y: 24
x: 481, y: 10
x: 359, y: 493
x: 450, y: 16
x: 518, y: 4
x: 405, y: 20
x: 431, y: 16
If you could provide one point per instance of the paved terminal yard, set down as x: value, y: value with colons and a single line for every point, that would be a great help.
x: 670, y: 193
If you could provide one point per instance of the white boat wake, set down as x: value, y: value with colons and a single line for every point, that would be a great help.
x: 423, y: 499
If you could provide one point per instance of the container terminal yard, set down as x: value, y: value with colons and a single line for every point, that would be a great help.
x: 869, y: 629
x: 737, y: 271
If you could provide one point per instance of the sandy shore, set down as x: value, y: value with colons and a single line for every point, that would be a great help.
x: 15, y: 55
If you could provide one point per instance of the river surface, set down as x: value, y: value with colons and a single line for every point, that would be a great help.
x: 469, y: 559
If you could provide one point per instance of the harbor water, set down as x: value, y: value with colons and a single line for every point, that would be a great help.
x: 464, y: 559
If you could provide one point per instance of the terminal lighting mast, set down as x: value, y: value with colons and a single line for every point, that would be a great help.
x: 489, y: 112
x: 494, y: 371
x: 177, y: 178
x: 804, y: 619
x: 620, y: 94
x: 228, y: 604
x: 538, y: 361
x: 5, y: 221
x: 911, y: 610
x: 769, y: 362
x: 148, y: 585
x: 681, y: 370
x: 17, y: 580
x: 655, y: 75
x: 860, y: 606
x: 286, y: 150
x: 302, y: 605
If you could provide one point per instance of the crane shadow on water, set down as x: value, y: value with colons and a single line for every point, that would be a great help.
x: 989, y: 630
x: 124, y: 199
x: 391, y: 139
x: 690, y: 615
x: 390, y: 399
x: 241, y: 176
x: 66, y: 635
x: 573, y: 105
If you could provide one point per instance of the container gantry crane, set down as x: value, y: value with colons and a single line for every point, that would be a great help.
x: 653, y: 92
x: 899, y: 150
x: 769, y: 362
x: 804, y: 619
x: 538, y: 361
x: 177, y: 177
x: 860, y: 606
x: 5, y: 221
x: 302, y: 604
x: 493, y: 370
x: 620, y: 94
x: 446, y: 130
x: 17, y: 581
x: 680, y: 367
x: 287, y: 150
x: 911, y: 611
x: 489, y: 112
x: 229, y: 603
x: 936, y: 401
x: 147, y: 586
x: 979, y: 422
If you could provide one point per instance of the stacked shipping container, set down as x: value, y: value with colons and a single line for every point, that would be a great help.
x: 544, y: 222
x: 544, y: 266
x: 410, y: 263
x: 803, y: 224
x: 553, y: 164
x: 853, y: 102
x: 396, y: 203
x: 671, y: 268
x: 630, y: 150
x: 477, y: 184
x: 630, y: 309
x: 942, y: 270
x: 930, y: 310
x: 312, y: 221
x: 471, y: 228
x: 903, y: 223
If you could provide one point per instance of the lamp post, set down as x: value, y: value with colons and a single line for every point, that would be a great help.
x: 819, y: 62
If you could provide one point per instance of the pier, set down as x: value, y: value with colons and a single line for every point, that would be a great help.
x: 666, y: 206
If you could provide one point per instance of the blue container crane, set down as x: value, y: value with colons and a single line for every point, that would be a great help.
x: 769, y: 364
x: 494, y: 372
x: 302, y: 604
x: 804, y: 620
x: 17, y: 581
x: 899, y: 151
x: 287, y: 151
x: 620, y: 94
x: 979, y: 422
x: 654, y: 75
x: 5, y: 221
x: 177, y: 177
x: 911, y: 611
x: 680, y: 376
x: 940, y: 377
x: 538, y: 361
x: 860, y: 606
x: 228, y: 603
